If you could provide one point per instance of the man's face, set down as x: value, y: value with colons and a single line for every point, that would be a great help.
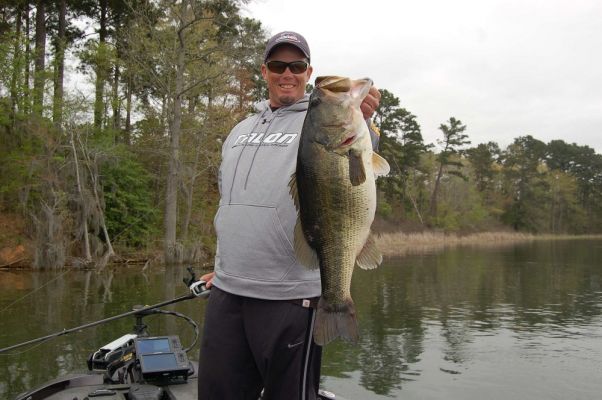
x: 285, y: 88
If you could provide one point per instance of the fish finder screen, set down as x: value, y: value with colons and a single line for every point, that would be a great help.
x: 159, y: 362
x: 153, y: 346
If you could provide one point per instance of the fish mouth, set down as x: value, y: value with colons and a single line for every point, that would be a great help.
x: 334, y: 125
x: 348, y: 141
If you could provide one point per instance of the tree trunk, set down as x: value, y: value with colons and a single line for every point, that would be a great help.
x: 26, y: 99
x: 128, y: 111
x: 40, y: 53
x: 164, y: 110
x: 14, y: 81
x: 433, y: 205
x: 116, y: 103
x: 189, y: 192
x: 413, y: 200
x: 100, y: 67
x: 59, y: 67
x: 50, y: 243
x: 87, y: 253
x: 105, y: 231
x: 94, y: 176
x: 171, y: 195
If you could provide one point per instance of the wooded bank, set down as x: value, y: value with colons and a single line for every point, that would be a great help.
x: 130, y: 164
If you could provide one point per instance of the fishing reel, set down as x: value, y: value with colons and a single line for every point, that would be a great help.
x: 197, y: 287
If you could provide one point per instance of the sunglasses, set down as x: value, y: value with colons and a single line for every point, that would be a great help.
x: 278, y: 67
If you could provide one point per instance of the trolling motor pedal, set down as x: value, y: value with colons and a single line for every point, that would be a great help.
x: 101, y: 358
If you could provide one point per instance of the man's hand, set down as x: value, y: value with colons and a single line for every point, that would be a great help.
x: 208, y: 278
x: 370, y: 103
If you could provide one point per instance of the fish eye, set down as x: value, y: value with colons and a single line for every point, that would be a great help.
x: 314, y: 101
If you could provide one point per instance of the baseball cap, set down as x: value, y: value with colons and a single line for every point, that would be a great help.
x: 287, y: 37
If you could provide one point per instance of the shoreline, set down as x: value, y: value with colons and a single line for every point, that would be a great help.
x: 392, y: 244
x: 400, y: 244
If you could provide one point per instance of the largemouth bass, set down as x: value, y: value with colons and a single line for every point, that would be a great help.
x: 335, y: 193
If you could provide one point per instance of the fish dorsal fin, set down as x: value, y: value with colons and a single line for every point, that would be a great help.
x: 306, y: 256
x: 370, y: 257
x: 357, y: 171
x: 292, y: 184
x: 380, y: 165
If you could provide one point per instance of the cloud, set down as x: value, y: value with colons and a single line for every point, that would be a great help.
x: 505, y: 68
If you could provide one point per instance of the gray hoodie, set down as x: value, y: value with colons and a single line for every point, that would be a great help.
x: 256, y: 216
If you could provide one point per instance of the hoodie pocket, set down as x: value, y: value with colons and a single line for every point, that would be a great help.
x: 252, y: 243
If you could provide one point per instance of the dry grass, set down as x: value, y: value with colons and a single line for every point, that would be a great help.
x: 398, y: 244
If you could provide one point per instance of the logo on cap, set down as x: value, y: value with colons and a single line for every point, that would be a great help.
x: 288, y: 36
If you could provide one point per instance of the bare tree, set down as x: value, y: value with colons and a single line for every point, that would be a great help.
x: 92, y: 167
x: 80, y: 191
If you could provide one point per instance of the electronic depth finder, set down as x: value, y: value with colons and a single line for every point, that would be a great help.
x: 161, y: 359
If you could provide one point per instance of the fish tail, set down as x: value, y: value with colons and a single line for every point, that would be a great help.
x: 335, y: 320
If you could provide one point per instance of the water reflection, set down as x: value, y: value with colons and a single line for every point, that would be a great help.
x: 515, y: 322
x: 475, y: 315
x: 53, y: 301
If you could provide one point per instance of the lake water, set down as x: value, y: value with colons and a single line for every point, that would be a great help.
x: 514, y: 322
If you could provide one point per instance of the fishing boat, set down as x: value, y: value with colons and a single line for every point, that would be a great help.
x: 135, y: 366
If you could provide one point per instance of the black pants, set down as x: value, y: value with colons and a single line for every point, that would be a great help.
x: 251, y: 344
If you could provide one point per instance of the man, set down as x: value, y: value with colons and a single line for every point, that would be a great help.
x: 258, y: 323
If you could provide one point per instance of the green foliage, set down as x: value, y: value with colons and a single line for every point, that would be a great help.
x: 401, y: 144
x: 582, y: 163
x: 565, y: 213
x: 130, y: 211
x: 453, y: 141
x: 401, y: 137
x: 482, y: 159
x: 384, y: 209
x: 525, y: 184
x: 530, y: 185
x: 460, y: 206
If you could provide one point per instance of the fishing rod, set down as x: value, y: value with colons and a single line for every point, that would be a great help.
x: 197, y: 289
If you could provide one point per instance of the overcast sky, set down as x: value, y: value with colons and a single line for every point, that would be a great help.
x: 505, y: 68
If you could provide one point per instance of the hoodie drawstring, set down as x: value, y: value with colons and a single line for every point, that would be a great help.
x: 241, y: 153
x: 257, y: 149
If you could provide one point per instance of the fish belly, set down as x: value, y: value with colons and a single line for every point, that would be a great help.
x: 336, y: 218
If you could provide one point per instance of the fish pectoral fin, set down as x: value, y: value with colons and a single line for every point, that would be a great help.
x: 380, y: 165
x: 357, y: 172
x: 292, y: 184
x: 306, y: 256
x: 370, y: 257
